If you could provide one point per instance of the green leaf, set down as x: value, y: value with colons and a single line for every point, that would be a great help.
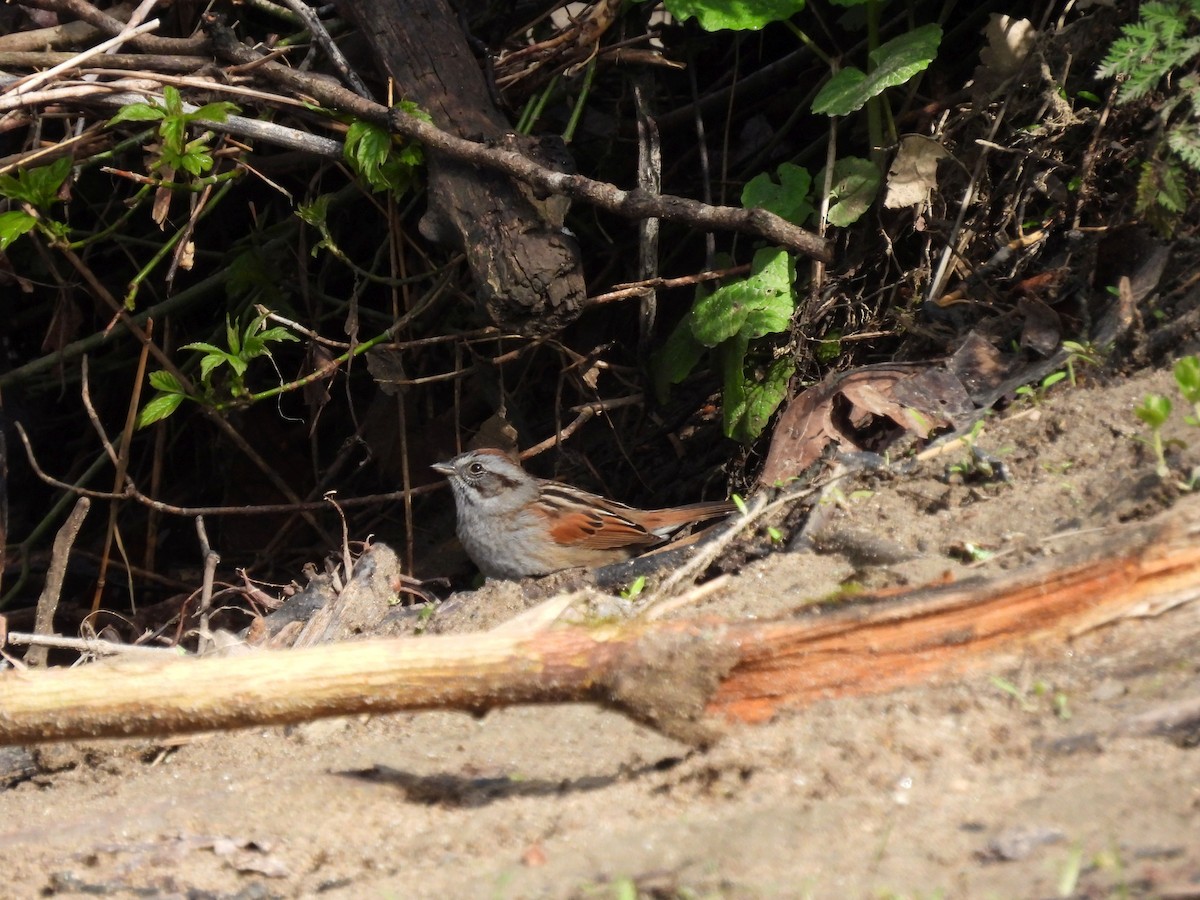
x: 316, y: 213
x: 278, y: 333
x: 38, y: 187
x: 202, y: 347
x: 736, y: 15
x: 159, y: 408
x: 173, y: 131
x: 749, y: 401
x: 1154, y: 411
x: 904, y: 56
x: 788, y: 199
x: 855, y: 185
x: 232, y: 338
x: 166, y: 382
x: 215, y: 112
x: 843, y: 94
x: 895, y: 62
x: 760, y: 304
x: 371, y: 152
x: 196, y: 159
x: 412, y: 108
x: 13, y: 224
x: 172, y: 101
x: 210, y: 363
x: 367, y: 145
x: 1187, y: 376
x: 137, y: 112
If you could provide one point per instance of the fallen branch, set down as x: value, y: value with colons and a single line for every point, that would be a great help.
x: 678, y: 676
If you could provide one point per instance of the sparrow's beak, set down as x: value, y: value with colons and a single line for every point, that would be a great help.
x: 445, y: 468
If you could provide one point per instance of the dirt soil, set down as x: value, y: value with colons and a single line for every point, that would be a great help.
x: 1003, y: 783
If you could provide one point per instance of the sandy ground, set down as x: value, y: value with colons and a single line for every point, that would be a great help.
x: 1004, y: 783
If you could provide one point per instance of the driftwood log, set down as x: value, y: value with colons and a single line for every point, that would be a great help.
x: 683, y: 677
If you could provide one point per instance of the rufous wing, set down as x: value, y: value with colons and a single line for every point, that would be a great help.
x: 598, y: 529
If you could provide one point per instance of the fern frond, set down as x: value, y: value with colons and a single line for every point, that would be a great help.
x: 1151, y: 47
x: 1184, y: 141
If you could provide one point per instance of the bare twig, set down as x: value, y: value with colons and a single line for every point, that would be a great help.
x: 89, y: 645
x: 317, y: 29
x: 26, y: 85
x: 638, y: 288
x: 122, y: 467
x: 131, y: 492
x: 211, y: 560
x: 80, y: 9
x: 48, y: 601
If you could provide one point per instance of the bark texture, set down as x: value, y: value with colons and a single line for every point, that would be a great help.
x: 527, y: 271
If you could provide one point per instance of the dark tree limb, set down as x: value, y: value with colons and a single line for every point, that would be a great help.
x: 526, y: 269
x: 631, y: 204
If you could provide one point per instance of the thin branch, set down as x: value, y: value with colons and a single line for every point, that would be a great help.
x: 635, y: 204
x: 211, y: 560
x: 132, y: 493
x: 48, y: 601
x: 80, y: 9
x: 317, y: 29
x: 25, y: 85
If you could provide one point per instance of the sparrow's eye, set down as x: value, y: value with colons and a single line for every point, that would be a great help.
x: 475, y: 468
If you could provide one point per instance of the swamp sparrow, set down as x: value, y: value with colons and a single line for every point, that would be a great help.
x: 513, y: 524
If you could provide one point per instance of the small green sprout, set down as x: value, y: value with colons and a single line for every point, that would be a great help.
x: 632, y: 592
x: 1187, y: 377
x: 739, y: 503
x: 774, y: 534
x: 1154, y: 412
x: 1036, y: 394
x: 1080, y: 354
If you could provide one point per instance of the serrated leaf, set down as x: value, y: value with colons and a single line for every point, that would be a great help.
x: 38, y: 187
x: 172, y: 130
x: 412, y: 108
x: 904, y: 56
x: 232, y: 338
x: 278, y: 333
x: 137, y: 112
x: 209, y: 363
x: 13, y: 224
x: 749, y: 402
x: 215, y: 112
x: 195, y: 163
x: 855, y: 184
x: 315, y: 213
x: 735, y: 15
x: 158, y: 409
x: 896, y: 62
x: 172, y: 101
x: 202, y: 347
x: 760, y: 304
x: 843, y: 94
x: 790, y: 198
x: 368, y: 150
x: 166, y: 382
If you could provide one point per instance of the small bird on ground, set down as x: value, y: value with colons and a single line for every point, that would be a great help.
x: 513, y: 524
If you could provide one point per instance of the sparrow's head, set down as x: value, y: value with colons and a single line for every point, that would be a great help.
x: 489, y: 480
